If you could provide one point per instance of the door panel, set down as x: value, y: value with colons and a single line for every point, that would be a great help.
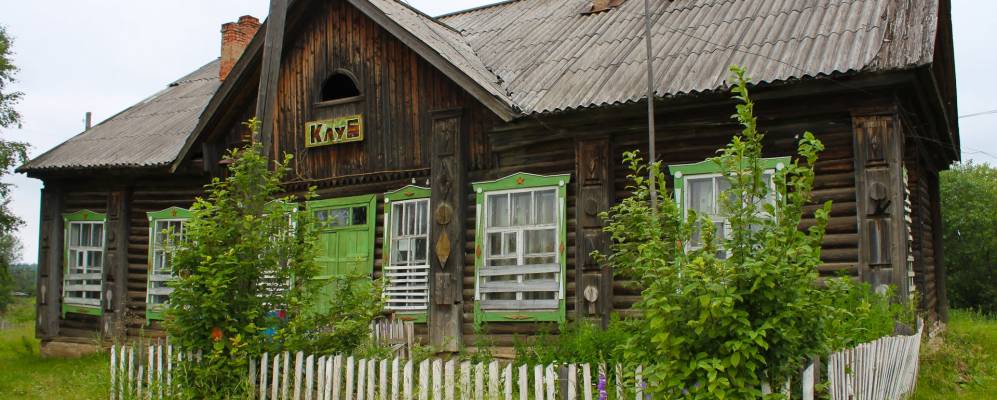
x: 345, y: 246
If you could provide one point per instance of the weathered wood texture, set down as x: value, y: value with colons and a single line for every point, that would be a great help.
x: 446, y: 239
x: 398, y: 89
x: 49, y: 260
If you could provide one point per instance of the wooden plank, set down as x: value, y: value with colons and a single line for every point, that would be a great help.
x: 337, y: 374
x: 538, y: 384
x: 299, y: 360
x: 327, y: 390
x: 285, y: 384
x: 424, y: 380
x: 479, y: 381
x: 114, y: 371
x: 449, y: 379
x: 493, y: 380
x: 507, y: 381
x: 264, y: 364
x: 437, y: 379
x: 639, y: 383
x: 519, y: 270
x: 362, y: 379
x: 320, y: 375
x: 807, y: 382
x: 349, y: 379
x: 309, y: 377
x: 407, y: 381
x: 394, y: 379
x: 273, y: 47
x: 524, y: 386
x: 465, y: 380
x: 449, y: 179
x: 619, y: 381
x: 550, y: 381
x: 572, y: 391
x: 275, y: 376
x: 383, y: 380
x: 586, y: 382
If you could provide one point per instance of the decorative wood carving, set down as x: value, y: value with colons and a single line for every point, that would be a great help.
x: 593, y: 195
x: 448, y: 182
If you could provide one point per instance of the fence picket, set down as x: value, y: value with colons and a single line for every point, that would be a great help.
x: 299, y: 360
x: 448, y: 377
x: 586, y: 382
x: 349, y: 378
x: 337, y: 375
x: 394, y: 379
x: 538, y: 382
x: 383, y: 380
x: 423, y: 380
x: 327, y: 389
x: 437, y: 379
x: 407, y: 380
x: 285, y: 379
x: 524, y: 386
x: 465, y: 380
x: 479, y: 381
x: 493, y: 380
x: 639, y: 383
x: 113, y: 371
x: 320, y: 376
x: 507, y: 381
x: 619, y: 382
x: 275, y: 377
x: 309, y: 376
x: 550, y: 379
x: 807, y: 382
x: 361, y: 379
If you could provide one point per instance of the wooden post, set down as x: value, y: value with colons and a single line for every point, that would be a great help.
x: 878, y: 146
x: 942, y: 298
x: 448, y: 203
x: 49, y: 286
x: 594, y: 194
x: 116, y: 269
x: 273, y: 47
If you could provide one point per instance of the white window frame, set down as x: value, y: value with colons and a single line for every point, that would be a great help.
x: 159, y: 249
x: 83, y: 281
x: 407, y: 287
x: 519, y: 231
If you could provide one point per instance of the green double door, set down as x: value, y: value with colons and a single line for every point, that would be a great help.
x: 345, y: 243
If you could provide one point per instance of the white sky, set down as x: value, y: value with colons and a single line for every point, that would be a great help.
x: 105, y: 55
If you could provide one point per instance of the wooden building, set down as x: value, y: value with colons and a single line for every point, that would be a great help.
x: 466, y: 156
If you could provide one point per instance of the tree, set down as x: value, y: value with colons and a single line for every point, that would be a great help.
x: 11, y: 155
x: 969, y: 218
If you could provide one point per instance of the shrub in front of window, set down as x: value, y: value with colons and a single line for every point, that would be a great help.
x: 724, y: 312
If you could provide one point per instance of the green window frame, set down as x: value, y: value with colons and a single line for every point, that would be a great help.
x: 331, y: 217
x: 706, y: 177
x: 160, y: 273
x: 84, y: 262
x: 406, y: 235
x: 512, y: 281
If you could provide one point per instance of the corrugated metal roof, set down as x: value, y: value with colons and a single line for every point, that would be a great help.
x: 551, y: 56
x: 148, y: 134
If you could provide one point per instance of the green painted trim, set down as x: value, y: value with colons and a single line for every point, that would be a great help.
x: 369, y: 200
x: 521, y: 180
x: 175, y: 213
x: 481, y: 317
x: 84, y: 216
x: 410, y: 192
x: 418, y: 318
x: 78, y: 309
x: 680, y: 171
x: 158, y: 311
x: 342, y: 201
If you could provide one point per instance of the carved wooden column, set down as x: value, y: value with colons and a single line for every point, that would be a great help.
x: 116, y: 270
x: 594, y: 194
x: 49, y: 284
x: 448, y: 204
x: 878, y: 141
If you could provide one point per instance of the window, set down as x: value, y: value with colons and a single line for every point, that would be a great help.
x: 166, y: 228
x: 407, y: 249
x: 341, y: 85
x: 84, y: 276
x: 700, y: 187
x: 519, y: 249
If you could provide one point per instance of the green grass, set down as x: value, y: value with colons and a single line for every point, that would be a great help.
x: 26, y: 375
x: 963, y: 365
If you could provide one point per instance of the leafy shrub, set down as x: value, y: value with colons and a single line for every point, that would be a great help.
x: 714, y: 326
x: 860, y: 315
x: 579, y: 342
x: 344, y: 328
x: 240, y: 244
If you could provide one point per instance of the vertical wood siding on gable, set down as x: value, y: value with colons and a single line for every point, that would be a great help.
x: 398, y: 91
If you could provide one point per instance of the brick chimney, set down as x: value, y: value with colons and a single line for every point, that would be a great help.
x: 235, y: 38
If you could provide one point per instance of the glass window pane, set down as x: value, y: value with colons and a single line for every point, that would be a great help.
x: 540, y: 241
x: 723, y: 186
x: 85, y: 235
x: 498, y: 210
x: 538, y: 260
x: 510, y: 243
x: 410, y: 218
x: 701, y: 195
x: 338, y: 217
x: 495, y: 244
x: 423, y: 213
x: 74, y: 234
x: 96, y: 258
x: 98, y: 235
x: 546, y: 206
x: 502, y: 262
x: 521, y: 208
x: 419, y: 251
x: 397, y: 218
x: 359, y: 215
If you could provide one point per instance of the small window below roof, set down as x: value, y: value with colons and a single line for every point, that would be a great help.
x: 340, y: 85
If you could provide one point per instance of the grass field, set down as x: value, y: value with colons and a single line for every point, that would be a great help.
x: 25, y: 375
x: 961, y: 366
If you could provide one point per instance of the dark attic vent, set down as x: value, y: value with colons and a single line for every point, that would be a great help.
x: 341, y: 85
x: 603, y: 5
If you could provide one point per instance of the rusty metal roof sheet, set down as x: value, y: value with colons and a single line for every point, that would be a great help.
x: 550, y: 55
x: 148, y: 134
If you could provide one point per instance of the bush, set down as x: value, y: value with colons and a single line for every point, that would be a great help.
x: 969, y: 198
x: 718, y: 327
x: 860, y: 315
x: 578, y: 342
x: 345, y: 327
x: 241, y: 243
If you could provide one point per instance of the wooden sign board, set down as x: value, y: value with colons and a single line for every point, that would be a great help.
x: 334, y: 131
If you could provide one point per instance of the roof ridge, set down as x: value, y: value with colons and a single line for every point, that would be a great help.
x: 478, y: 8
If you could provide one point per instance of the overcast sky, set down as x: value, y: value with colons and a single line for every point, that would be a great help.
x: 105, y: 55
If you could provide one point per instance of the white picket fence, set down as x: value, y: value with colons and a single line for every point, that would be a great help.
x: 884, y: 369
